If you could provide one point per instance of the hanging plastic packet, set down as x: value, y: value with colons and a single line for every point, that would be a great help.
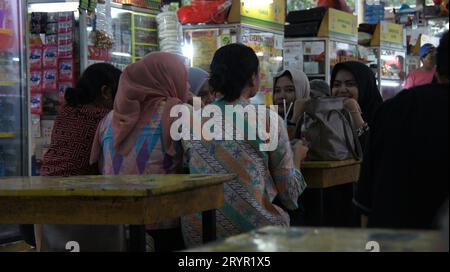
x: 50, y: 79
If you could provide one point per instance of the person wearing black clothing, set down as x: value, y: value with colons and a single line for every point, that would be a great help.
x: 356, y: 82
x: 404, y: 179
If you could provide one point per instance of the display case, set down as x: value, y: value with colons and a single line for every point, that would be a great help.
x: 389, y: 66
x: 387, y: 57
x: 57, y: 54
x: 13, y: 91
x: 201, y: 42
x: 135, y: 34
x: 316, y: 57
x: 14, y: 124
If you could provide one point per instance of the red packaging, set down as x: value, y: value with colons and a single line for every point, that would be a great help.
x: 63, y: 86
x: 36, y: 101
x: 50, y: 56
x: 35, y: 57
x: 65, y: 27
x: 50, y: 79
x: 35, y: 81
x: 66, y: 69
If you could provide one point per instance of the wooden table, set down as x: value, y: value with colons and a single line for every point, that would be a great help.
x: 276, y: 239
x: 115, y: 200
x: 325, y: 180
x: 326, y: 174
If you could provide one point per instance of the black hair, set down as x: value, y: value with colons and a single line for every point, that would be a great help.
x: 89, y: 86
x: 442, y: 56
x: 232, y: 69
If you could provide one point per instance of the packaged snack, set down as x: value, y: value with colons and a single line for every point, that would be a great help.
x: 52, y: 17
x: 66, y: 69
x: 65, y: 27
x: 36, y: 103
x: 65, y: 16
x: 65, y: 38
x: 63, y: 86
x: 38, y: 22
x: 65, y: 51
x: 50, y: 79
x: 52, y: 28
x: 51, y: 39
x: 35, y: 57
x: 35, y: 81
x: 50, y: 56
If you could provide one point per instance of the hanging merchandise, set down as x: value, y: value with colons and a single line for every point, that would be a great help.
x: 201, y: 11
x: 84, y: 4
x: 101, y: 37
x: 170, y: 32
x: 88, y: 5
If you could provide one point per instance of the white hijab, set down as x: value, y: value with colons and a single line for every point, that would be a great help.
x: 301, y: 83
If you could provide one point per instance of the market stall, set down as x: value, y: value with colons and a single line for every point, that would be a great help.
x: 250, y: 24
x: 386, y: 55
x: 65, y: 37
x: 316, y: 52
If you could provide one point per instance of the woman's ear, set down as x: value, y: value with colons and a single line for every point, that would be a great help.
x: 254, y: 82
x: 106, y: 93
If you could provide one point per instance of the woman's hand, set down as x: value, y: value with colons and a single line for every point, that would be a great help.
x: 298, y: 110
x: 352, y: 106
x: 300, y: 153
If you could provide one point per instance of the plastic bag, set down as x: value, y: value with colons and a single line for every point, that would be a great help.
x: 201, y: 11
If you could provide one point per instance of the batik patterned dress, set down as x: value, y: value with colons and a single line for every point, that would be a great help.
x: 262, y: 177
x: 148, y: 156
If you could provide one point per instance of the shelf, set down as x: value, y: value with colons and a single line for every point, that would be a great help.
x: 146, y: 44
x: 146, y: 29
x: 131, y: 8
x: 8, y: 84
x: 4, y: 135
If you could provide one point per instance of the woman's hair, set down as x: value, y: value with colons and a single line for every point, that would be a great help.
x: 89, y: 86
x: 232, y: 68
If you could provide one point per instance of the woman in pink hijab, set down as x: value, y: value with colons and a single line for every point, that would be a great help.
x: 134, y: 139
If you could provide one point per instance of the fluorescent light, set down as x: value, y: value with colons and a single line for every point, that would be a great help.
x: 188, y: 51
x: 54, y: 7
x: 16, y: 59
x: 278, y: 58
x: 120, y: 54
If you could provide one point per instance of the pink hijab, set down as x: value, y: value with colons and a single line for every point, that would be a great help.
x: 143, y: 86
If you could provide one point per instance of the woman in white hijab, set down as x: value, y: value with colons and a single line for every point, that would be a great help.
x: 291, y: 89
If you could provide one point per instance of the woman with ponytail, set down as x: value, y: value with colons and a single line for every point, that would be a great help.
x: 86, y: 105
x: 73, y: 134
